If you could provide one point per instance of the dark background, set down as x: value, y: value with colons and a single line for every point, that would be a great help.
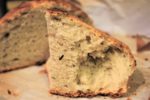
x: 6, y: 5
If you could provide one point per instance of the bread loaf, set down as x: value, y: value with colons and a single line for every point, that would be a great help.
x: 23, y: 32
x: 85, y: 61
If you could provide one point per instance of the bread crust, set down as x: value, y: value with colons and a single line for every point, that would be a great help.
x: 87, y: 94
x: 16, y: 12
x: 108, y: 38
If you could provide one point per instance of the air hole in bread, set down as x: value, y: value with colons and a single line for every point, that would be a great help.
x: 39, y: 63
x: 46, y: 35
x: 5, y: 55
x: 15, y: 59
x: 108, y: 49
x: 15, y: 43
x: 6, y: 35
x: 33, y: 40
x: 88, y: 39
x: 118, y: 50
x: 56, y: 18
x: 79, y: 16
x: 92, y: 59
x: 65, y: 85
x: 78, y: 43
x: 8, y: 21
x: 15, y: 27
x: 102, y: 43
x: 56, y: 8
x: 73, y: 65
x: 53, y: 78
x: 78, y: 80
x: 24, y: 12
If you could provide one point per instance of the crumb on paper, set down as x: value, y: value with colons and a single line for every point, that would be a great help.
x: 9, y: 92
x: 43, y: 71
x: 13, y: 92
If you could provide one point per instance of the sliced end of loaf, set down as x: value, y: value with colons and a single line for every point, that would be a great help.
x: 85, y: 61
x: 23, y: 41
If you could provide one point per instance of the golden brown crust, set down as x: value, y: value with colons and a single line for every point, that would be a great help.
x: 87, y: 94
x: 41, y: 3
x: 75, y: 2
x: 112, y: 41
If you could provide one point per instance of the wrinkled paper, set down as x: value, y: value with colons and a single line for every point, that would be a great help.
x: 120, y: 16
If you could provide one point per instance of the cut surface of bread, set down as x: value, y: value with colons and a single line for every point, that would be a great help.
x: 23, y: 41
x: 85, y: 61
x: 23, y: 33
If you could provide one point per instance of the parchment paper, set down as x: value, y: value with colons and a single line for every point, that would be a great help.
x: 120, y: 16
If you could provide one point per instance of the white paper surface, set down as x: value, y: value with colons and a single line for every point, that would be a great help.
x: 120, y: 16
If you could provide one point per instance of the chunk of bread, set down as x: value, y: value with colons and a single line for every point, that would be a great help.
x: 85, y: 61
x: 23, y: 33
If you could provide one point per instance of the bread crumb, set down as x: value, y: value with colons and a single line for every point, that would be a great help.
x: 9, y: 92
x: 13, y: 92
